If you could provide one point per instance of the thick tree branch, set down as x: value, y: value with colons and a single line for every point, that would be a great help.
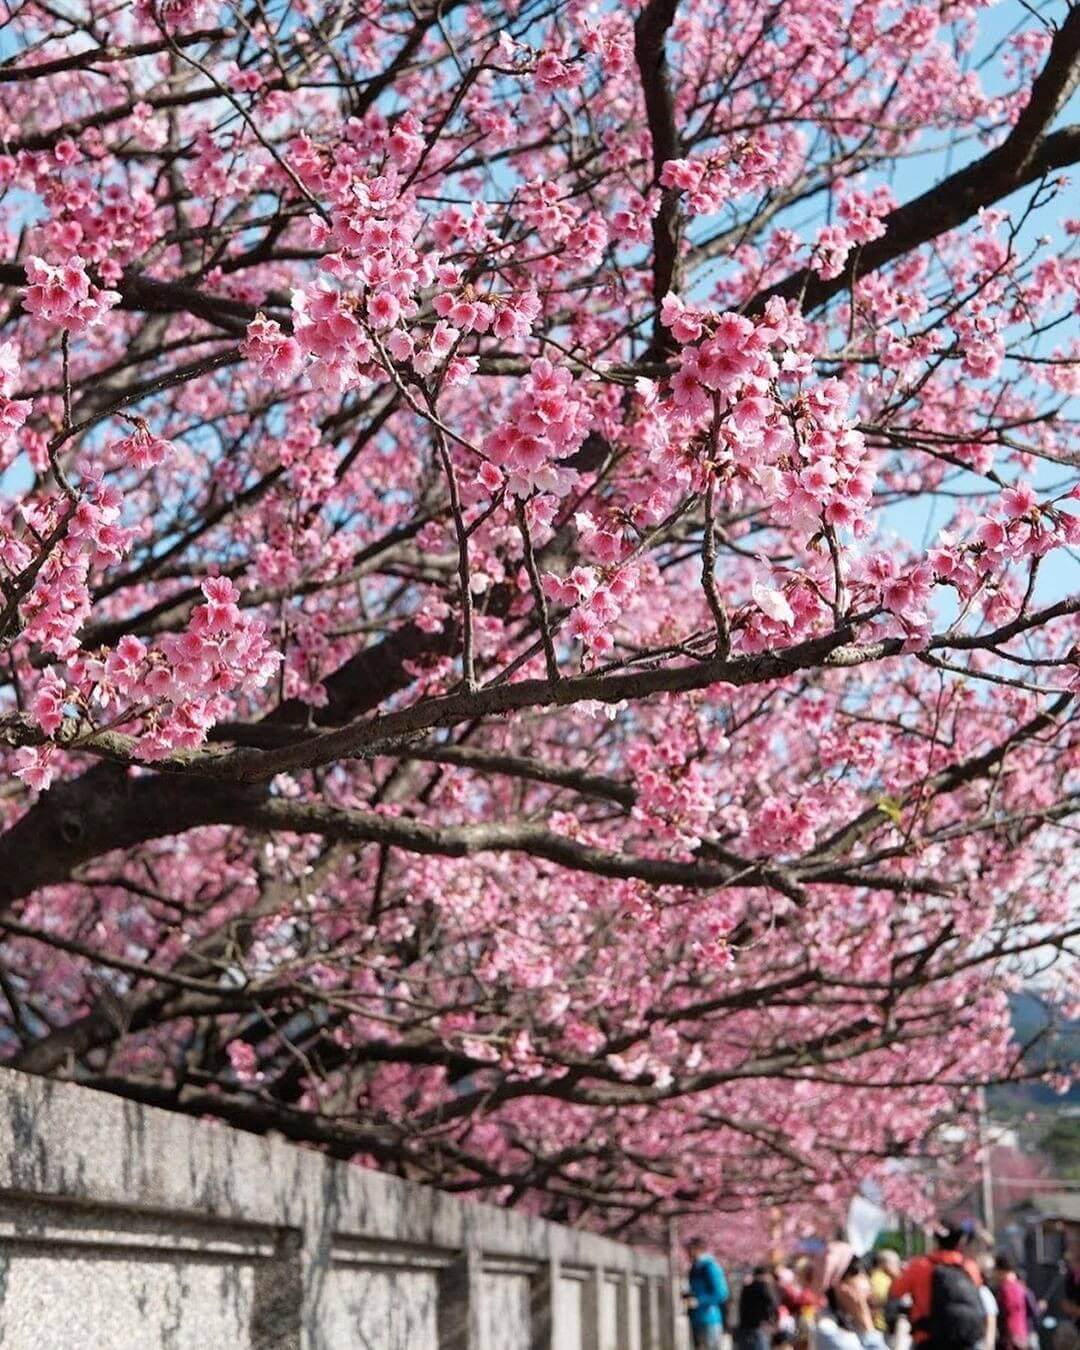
x: 1027, y: 155
x: 650, y: 52
x: 20, y: 72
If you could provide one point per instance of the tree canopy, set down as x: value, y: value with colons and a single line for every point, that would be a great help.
x: 537, y: 550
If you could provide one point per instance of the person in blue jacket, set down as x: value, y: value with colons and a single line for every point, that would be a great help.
x: 707, y: 1296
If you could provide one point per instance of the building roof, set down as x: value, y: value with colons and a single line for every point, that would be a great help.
x: 1054, y: 1205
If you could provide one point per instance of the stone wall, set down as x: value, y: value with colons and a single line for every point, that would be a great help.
x: 128, y: 1228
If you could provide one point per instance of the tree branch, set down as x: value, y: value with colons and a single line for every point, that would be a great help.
x: 1025, y: 156
x: 650, y: 52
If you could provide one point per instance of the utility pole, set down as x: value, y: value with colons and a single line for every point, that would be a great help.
x: 987, y: 1174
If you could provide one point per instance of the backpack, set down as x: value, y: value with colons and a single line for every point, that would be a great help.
x: 957, y: 1320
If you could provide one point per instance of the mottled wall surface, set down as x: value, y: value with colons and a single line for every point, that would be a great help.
x: 610, y: 1291
x: 570, y: 1307
x: 637, y: 1313
x: 507, y: 1313
x: 161, y: 1280
x: 126, y: 1228
x: 376, y: 1309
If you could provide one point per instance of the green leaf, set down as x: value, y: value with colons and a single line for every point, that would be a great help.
x: 890, y: 806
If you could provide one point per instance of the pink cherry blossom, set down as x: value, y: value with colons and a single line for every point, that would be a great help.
x: 529, y: 568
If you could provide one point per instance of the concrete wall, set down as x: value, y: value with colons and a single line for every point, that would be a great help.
x: 128, y: 1228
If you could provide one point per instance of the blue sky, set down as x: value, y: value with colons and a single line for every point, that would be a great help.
x: 919, y: 521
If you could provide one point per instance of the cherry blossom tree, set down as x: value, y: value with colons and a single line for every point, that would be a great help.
x: 539, y: 646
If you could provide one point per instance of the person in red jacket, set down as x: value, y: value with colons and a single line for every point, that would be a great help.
x: 916, y: 1280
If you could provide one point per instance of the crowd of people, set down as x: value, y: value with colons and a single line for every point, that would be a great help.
x: 957, y: 1297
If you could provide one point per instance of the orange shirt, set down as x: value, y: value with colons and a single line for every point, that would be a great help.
x: 916, y: 1280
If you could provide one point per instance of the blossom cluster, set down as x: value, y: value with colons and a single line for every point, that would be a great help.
x: 547, y: 422
x: 773, y: 427
x: 63, y: 294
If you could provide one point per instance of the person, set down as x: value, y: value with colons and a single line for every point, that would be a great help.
x: 943, y: 1287
x: 787, y: 1294
x: 759, y: 1308
x: 1067, y: 1331
x: 884, y: 1268
x: 1013, y: 1329
x: 794, y: 1286
x: 706, y: 1297
x: 810, y: 1303
x: 989, y: 1302
x: 1036, y: 1308
x: 846, y: 1322
x: 787, y: 1299
x: 795, y: 1290
x: 1071, y: 1263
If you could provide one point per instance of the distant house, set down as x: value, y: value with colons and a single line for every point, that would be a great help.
x: 1036, y: 1233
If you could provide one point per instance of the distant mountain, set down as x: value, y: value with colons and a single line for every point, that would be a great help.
x: 1052, y: 1042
